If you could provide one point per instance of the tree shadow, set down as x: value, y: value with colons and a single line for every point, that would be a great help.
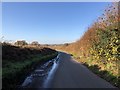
x: 114, y: 80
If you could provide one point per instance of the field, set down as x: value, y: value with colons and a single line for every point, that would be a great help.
x: 17, y: 62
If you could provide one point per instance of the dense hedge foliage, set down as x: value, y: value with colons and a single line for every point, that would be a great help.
x: 105, y: 51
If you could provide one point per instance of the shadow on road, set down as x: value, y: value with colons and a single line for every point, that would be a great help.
x: 104, y: 74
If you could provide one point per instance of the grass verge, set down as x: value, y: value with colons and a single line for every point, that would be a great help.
x: 14, y: 73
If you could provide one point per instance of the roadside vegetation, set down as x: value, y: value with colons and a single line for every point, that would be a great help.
x: 18, y: 61
x: 99, y: 47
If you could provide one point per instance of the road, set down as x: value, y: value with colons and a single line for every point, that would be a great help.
x: 71, y: 74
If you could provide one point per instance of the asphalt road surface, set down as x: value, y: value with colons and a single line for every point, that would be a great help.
x: 71, y: 74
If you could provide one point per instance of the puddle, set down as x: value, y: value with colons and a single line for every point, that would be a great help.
x: 27, y: 81
x: 39, y: 70
x: 45, y: 72
x: 50, y: 75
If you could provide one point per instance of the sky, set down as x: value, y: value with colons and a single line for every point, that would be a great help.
x: 49, y: 22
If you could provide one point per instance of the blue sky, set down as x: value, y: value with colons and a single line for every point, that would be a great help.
x: 48, y: 23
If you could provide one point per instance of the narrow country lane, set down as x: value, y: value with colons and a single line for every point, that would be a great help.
x: 71, y: 74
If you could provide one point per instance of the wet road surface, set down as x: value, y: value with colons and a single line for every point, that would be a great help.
x: 41, y: 76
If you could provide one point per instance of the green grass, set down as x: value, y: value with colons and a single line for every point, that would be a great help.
x: 14, y: 73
